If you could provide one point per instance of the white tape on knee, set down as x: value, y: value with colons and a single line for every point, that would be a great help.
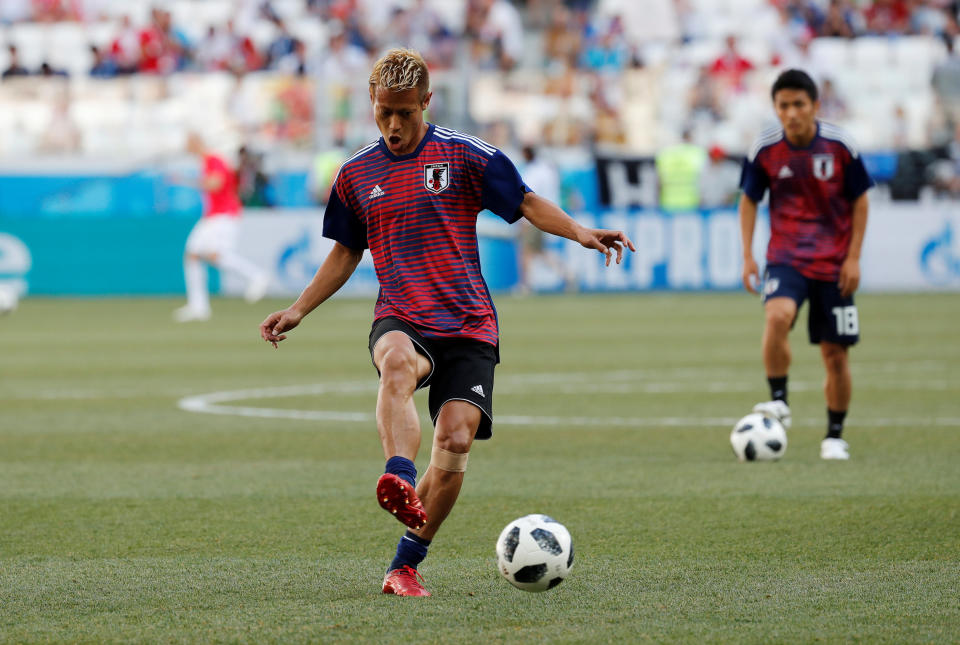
x: 454, y: 462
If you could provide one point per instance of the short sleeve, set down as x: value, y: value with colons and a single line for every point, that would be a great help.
x: 340, y: 223
x: 503, y: 189
x: 856, y: 179
x: 753, y: 180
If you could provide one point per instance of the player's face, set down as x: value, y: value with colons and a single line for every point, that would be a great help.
x: 797, y: 114
x: 399, y: 115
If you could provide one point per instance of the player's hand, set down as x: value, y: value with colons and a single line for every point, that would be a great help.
x: 849, y: 277
x: 604, y: 240
x: 751, y: 275
x: 272, y: 328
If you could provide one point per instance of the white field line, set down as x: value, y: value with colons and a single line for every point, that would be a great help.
x: 712, y: 379
x: 213, y: 403
x: 662, y: 386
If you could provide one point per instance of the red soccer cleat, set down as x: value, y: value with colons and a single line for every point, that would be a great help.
x: 403, y: 582
x: 398, y: 496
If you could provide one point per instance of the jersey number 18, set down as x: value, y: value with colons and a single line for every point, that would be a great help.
x: 847, y: 322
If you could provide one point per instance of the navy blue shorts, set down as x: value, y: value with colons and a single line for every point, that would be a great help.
x: 461, y: 369
x: 832, y: 318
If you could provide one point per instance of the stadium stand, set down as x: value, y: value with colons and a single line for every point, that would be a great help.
x: 288, y: 76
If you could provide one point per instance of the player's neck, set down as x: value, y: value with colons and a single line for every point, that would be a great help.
x: 424, y: 128
x: 415, y: 143
x: 805, y: 139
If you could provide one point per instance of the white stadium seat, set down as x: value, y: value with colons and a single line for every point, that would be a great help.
x: 69, y: 48
x: 913, y: 52
x: 830, y: 53
x: 702, y: 52
x: 290, y: 10
x: 32, y: 43
x: 102, y: 33
x: 312, y: 32
x: 262, y: 33
x: 872, y: 52
x: 755, y: 50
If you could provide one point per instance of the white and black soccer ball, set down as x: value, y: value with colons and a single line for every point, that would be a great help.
x: 534, y: 553
x: 758, y: 437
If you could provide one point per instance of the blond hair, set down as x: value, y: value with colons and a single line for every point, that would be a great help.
x: 399, y: 70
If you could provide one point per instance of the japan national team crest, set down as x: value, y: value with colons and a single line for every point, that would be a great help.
x: 436, y: 176
x: 823, y: 167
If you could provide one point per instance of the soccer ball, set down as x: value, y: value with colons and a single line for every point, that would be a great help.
x: 757, y: 437
x: 534, y: 553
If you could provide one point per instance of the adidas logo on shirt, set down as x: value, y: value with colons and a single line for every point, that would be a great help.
x: 376, y: 192
x: 479, y: 390
x: 785, y: 173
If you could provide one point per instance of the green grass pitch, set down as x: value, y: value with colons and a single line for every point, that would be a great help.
x: 126, y: 518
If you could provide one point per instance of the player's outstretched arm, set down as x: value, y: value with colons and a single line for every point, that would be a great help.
x: 748, y: 221
x: 332, y: 274
x: 550, y: 218
x: 850, y: 269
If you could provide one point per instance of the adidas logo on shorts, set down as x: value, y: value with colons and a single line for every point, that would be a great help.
x: 479, y: 390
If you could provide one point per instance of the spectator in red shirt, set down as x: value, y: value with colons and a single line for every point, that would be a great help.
x: 151, y: 45
x: 244, y: 56
x: 730, y: 67
x: 125, y: 48
x: 887, y: 16
x: 162, y: 48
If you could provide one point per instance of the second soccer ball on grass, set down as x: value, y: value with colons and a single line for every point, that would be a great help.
x: 758, y: 437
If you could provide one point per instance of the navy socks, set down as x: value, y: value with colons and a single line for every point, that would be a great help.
x: 411, y: 550
x: 403, y: 468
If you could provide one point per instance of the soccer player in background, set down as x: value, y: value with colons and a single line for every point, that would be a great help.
x: 818, y: 215
x: 213, y: 238
x: 412, y: 199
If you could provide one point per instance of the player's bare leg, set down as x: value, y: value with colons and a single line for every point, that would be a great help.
x: 780, y: 313
x: 401, y: 368
x: 837, y: 389
x: 439, y: 488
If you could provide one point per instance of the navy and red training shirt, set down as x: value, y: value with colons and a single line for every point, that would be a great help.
x: 417, y: 213
x: 812, y: 191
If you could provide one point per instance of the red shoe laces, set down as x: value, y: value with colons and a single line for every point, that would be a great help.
x: 409, y: 572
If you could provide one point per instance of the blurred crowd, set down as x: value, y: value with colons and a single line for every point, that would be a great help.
x: 616, y: 75
x: 599, y: 35
x: 847, y: 18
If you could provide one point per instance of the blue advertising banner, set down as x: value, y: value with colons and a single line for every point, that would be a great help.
x: 134, y: 194
x: 87, y: 256
x: 684, y: 252
x: 141, y: 194
x: 907, y: 248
